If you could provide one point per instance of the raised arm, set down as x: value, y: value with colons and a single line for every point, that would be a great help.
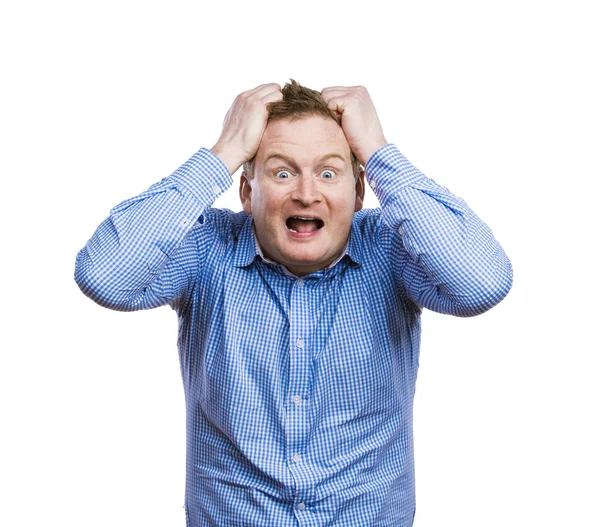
x: 446, y: 257
x: 148, y: 252
x: 442, y: 253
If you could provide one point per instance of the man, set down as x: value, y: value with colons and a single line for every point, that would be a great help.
x: 299, y: 317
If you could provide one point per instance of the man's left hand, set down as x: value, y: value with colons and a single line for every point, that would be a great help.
x: 359, y: 119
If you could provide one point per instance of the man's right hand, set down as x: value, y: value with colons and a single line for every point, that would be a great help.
x: 244, y: 125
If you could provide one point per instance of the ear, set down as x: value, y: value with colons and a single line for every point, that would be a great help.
x: 360, y: 191
x: 245, y: 193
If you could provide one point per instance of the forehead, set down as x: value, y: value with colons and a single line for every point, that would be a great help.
x: 304, y: 140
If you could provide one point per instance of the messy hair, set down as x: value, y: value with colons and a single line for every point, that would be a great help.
x: 299, y: 103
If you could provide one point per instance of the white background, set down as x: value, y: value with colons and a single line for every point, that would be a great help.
x: 496, y: 101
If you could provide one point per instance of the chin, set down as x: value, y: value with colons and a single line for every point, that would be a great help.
x: 309, y: 261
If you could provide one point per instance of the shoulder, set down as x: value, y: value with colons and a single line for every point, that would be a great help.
x: 367, y: 223
x: 224, y: 223
x: 372, y: 235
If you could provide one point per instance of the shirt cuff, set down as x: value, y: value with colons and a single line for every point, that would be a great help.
x: 387, y: 171
x: 204, y: 175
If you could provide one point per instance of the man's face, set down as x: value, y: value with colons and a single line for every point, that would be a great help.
x: 297, y: 173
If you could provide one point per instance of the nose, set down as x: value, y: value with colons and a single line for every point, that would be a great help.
x: 306, y: 190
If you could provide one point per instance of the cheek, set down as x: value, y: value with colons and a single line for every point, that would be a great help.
x: 343, y: 204
x: 272, y: 205
x: 342, y: 219
x: 268, y: 213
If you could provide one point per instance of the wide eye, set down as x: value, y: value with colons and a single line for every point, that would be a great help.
x: 282, y: 174
x: 328, y: 174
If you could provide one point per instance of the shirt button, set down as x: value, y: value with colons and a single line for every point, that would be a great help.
x: 401, y: 231
x: 216, y: 188
x: 296, y: 458
x: 297, y: 399
x: 300, y: 283
x: 301, y: 506
x: 373, y: 183
x: 300, y: 343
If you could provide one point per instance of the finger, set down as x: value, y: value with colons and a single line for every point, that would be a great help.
x: 355, y: 92
x: 334, y: 93
x: 337, y: 104
x: 272, y: 97
x: 334, y: 90
x: 348, y: 88
x: 330, y: 88
x: 263, y: 89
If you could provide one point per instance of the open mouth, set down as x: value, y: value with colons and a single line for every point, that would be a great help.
x: 304, y: 224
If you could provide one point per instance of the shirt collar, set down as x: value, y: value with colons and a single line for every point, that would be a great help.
x: 247, y: 248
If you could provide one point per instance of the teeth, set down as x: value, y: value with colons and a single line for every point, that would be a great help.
x: 301, y: 218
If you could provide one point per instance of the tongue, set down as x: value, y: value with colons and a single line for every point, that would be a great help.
x: 302, y: 225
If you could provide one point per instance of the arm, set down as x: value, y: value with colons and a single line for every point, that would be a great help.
x: 148, y: 252
x: 149, y: 249
x: 446, y: 257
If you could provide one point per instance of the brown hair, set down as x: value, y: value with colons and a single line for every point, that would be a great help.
x: 298, y: 103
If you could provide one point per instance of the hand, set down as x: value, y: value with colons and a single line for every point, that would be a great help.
x: 360, y: 123
x: 244, y: 125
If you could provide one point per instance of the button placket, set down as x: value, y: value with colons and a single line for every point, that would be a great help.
x: 297, y: 424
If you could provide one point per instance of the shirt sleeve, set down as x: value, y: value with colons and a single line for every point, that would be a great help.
x: 149, y: 250
x: 445, y: 256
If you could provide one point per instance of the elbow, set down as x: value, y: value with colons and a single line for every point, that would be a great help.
x: 100, y: 289
x: 489, y: 293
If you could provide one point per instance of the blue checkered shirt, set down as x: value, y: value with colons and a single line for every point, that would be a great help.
x: 299, y: 391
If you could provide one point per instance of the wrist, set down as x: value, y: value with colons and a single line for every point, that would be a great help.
x: 230, y: 159
x: 368, y: 151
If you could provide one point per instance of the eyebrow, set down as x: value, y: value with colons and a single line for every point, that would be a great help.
x: 292, y: 163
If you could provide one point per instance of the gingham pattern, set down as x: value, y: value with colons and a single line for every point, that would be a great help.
x: 299, y: 392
